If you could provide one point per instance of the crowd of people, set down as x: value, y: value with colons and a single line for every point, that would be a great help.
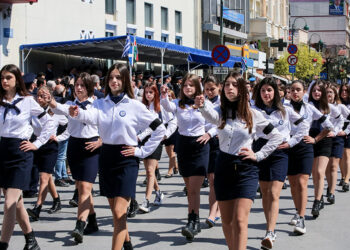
x: 240, y: 137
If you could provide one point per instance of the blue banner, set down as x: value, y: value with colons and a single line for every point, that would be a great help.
x: 336, y: 7
x: 233, y: 16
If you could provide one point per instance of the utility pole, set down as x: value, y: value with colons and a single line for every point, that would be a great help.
x: 221, y: 21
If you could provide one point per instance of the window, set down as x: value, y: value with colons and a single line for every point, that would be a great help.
x: 164, y: 20
x: 131, y: 31
x: 110, y: 6
x: 178, y: 40
x: 149, y: 35
x: 148, y: 15
x: 178, y: 22
x: 130, y: 11
x: 109, y: 34
x: 164, y: 38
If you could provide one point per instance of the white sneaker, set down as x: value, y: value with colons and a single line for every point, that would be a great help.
x: 159, y: 198
x: 145, y: 207
x: 300, y: 227
x: 267, y: 242
x: 294, y: 220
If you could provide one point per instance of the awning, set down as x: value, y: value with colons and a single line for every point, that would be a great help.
x: 281, y: 78
x: 148, y: 51
x: 19, y: 1
x: 259, y: 76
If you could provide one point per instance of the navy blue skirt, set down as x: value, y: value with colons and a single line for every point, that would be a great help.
x: 214, y: 153
x: 171, y: 140
x: 275, y: 166
x: 346, y: 141
x: 118, y: 174
x: 192, y: 157
x: 300, y: 158
x: 83, y: 163
x: 323, y: 147
x: 45, y: 157
x: 157, y: 154
x: 235, y: 178
x: 15, y: 164
x: 337, y: 147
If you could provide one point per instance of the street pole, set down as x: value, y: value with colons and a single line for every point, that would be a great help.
x: 221, y: 21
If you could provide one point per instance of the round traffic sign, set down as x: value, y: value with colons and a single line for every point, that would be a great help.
x: 220, y: 54
x: 292, y: 60
x: 292, y: 49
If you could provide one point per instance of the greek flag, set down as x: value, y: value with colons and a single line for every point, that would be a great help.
x: 128, y: 50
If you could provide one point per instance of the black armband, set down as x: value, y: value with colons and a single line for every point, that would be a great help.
x: 41, y: 115
x: 322, y: 119
x: 297, y: 122
x: 338, y: 117
x: 348, y: 118
x: 268, y: 129
x: 155, y: 124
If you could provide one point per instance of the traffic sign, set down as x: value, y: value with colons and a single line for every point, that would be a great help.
x: 292, y: 69
x: 220, y: 70
x: 292, y: 60
x: 220, y: 54
x: 292, y: 49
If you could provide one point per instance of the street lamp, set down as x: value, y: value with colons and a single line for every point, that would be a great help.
x: 320, y: 43
x: 293, y: 27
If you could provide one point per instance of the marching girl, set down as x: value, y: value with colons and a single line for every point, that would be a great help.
x: 16, y: 152
x: 169, y: 143
x: 273, y: 169
x: 323, y: 147
x: 151, y: 100
x: 46, y: 156
x: 191, y: 147
x: 337, y: 143
x: 118, y: 118
x: 211, y: 90
x: 236, y: 173
x: 344, y: 93
x: 301, y: 156
x: 82, y: 155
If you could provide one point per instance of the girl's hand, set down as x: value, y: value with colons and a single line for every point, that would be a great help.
x: 203, y: 139
x: 128, y: 151
x: 27, y: 146
x: 164, y: 91
x: 53, y: 138
x: 248, y: 153
x: 331, y: 134
x: 341, y: 133
x: 283, y: 145
x: 74, y: 111
x: 199, y: 101
x: 93, y: 145
x: 309, y: 140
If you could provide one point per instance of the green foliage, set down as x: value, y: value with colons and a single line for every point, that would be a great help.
x: 305, y: 68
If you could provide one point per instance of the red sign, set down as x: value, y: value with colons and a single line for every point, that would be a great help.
x: 292, y: 59
x: 292, y: 49
x: 220, y: 54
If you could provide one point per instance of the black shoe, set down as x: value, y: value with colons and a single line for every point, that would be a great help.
x: 61, y: 183
x: 197, y: 224
x: 185, y: 190
x: 316, y: 209
x: 127, y: 245
x: 188, y: 230
x: 78, y: 232
x: 133, y: 208
x: 31, y: 243
x: 346, y: 187
x: 176, y: 171
x: 322, y: 203
x: 34, y: 213
x: 341, y: 182
x: 158, y: 176
x: 30, y: 195
x: 284, y: 185
x: 328, y: 193
x: 69, y: 181
x: 4, y: 245
x: 91, y: 227
x: 205, y: 183
x: 56, y: 206
x: 331, y: 198
x: 74, y: 201
x: 145, y: 181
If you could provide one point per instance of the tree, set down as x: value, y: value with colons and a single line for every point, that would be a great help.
x: 309, y: 63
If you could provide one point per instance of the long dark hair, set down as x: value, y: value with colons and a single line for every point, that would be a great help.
x: 323, y: 102
x: 347, y: 101
x: 195, y: 80
x: 124, y: 73
x: 243, y: 110
x: 276, y: 102
x: 20, y: 86
x: 87, y: 82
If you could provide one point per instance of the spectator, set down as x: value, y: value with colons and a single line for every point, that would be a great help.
x: 96, y: 83
x: 49, y: 71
